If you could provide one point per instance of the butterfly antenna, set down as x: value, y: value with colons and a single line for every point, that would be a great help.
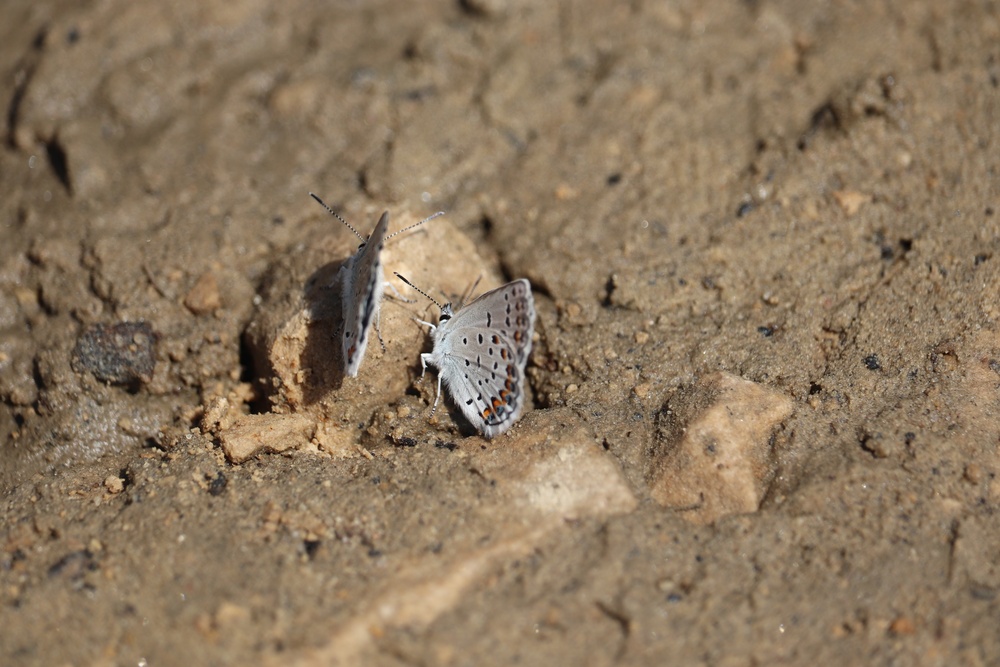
x: 472, y: 290
x: 432, y: 299
x: 416, y: 224
x: 337, y: 216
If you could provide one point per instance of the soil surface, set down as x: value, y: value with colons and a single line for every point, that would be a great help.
x: 763, y: 396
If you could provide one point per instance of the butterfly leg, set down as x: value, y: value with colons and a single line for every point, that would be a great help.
x: 397, y: 293
x: 423, y: 369
x: 436, y: 396
x: 378, y: 332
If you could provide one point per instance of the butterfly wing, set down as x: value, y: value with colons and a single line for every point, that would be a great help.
x: 362, y: 294
x: 481, y: 353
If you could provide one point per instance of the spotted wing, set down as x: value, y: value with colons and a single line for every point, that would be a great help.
x: 362, y: 293
x: 482, y: 353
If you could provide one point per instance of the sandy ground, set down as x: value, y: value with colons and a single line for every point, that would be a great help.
x: 764, y: 240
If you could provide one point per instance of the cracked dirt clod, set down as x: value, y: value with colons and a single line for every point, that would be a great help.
x: 252, y: 434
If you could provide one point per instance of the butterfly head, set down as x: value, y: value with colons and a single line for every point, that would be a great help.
x: 447, y: 312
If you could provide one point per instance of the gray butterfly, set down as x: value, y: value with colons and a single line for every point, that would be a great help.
x: 481, y: 352
x: 362, y: 285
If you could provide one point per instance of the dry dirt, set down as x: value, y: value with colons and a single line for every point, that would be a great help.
x: 764, y: 240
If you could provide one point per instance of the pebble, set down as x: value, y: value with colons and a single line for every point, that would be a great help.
x: 204, y: 297
x: 902, y: 626
x: 120, y: 354
x: 272, y: 432
x: 114, y: 484
x: 850, y: 201
x: 973, y: 473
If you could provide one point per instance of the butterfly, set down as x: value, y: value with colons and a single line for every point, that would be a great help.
x: 480, y: 352
x: 362, y: 285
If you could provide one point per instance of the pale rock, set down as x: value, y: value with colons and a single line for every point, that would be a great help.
x: 252, y: 434
x: 204, y: 297
x: 114, y: 484
x: 575, y: 479
x: 851, y: 201
x: 715, y: 457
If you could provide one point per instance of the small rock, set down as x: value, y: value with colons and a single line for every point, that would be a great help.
x: 565, y: 192
x: 204, y: 297
x: 716, y: 458
x: 902, y: 626
x: 973, y: 473
x: 229, y: 613
x: 879, y: 446
x: 850, y: 201
x: 296, y: 99
x: 218, y: 415
x: 121, y: 354
x: 579, y: 481
x: 575, y: 478
x: 114, y: 484
x: 252, y: 434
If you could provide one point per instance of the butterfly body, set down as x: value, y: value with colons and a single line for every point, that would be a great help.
x: 362, y: 286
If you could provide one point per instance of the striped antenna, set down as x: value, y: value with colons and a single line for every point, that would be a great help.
x: 337, y: 216
x: 432, y: 299
x: 406, y: 229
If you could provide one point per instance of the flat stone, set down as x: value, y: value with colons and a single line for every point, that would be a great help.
x: 716, y: 458
x: 253, y: 434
